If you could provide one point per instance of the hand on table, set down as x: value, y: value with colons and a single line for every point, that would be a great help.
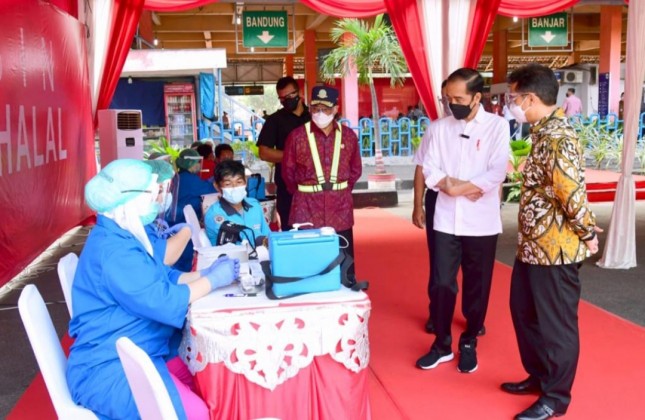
x: 222, y: 272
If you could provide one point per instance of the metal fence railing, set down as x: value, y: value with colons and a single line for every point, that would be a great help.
x: 611, y: 122
x: 398, y: 137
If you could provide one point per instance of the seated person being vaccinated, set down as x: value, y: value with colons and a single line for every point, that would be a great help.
x: 234, y: 206
x: 121, y: 290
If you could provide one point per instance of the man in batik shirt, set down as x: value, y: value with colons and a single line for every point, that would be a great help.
x: 557, y: 231
x: 321, y: 178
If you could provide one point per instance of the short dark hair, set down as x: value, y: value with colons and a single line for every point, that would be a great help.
x: 572, y: 90
x: 537, y: 79
x: 444, y: 83
x: 474, y: 80
x: 222, y: 147
x: 205, y: 150
x: 286, y: 81
x: 228, y: 168
x: 195, y: 144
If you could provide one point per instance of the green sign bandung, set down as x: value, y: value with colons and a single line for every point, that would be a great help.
x: 549, y: 31
x: 265, y: 29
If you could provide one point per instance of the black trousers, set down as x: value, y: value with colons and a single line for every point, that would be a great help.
x: 476, y: 256
x: 349, y: 235
x: 283, y: 206
x: 544, y: 308
x: 430, y: 201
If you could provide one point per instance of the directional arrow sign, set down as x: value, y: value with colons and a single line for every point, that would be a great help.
x: 265, y: 29
x: 265, y: 37
x: 549, y: 31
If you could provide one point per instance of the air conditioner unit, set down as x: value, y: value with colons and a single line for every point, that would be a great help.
x: 572, y: 76
x: 120, y: 135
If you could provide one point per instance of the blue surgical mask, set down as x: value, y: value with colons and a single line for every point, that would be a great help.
x: 151, y: 214
x: 234, y: 195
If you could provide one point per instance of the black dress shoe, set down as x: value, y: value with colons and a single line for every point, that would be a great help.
x: 482, y: 331
x: 538, y: 411
x: 527, y: 386
x: 429, y: 327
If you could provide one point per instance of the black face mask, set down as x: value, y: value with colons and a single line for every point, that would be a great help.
x: 460, y: 111
x: 290, y: 104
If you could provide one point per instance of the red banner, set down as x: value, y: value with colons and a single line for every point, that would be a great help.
x: 46, y: 135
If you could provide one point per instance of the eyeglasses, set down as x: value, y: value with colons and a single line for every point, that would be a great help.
x: 510, y: 97
x: 290, y: 95
x: 139, y: 191
x: 321, y: 108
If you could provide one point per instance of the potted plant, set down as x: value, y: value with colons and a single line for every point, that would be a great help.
x: 511, y: 189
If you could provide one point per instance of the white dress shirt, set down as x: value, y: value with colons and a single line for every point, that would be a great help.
x: 481, y: 158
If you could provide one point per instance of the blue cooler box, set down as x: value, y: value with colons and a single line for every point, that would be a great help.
x: 304, y: 253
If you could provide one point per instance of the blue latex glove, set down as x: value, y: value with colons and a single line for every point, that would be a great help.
x: 222, y: 272
x: 173, y: 230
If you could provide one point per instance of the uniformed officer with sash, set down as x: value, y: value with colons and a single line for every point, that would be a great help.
x: 321, y: 164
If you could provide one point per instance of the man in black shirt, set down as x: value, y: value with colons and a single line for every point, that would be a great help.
x: 274, y: 133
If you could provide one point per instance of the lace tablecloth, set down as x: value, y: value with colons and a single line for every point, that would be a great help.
x: 270, y: 341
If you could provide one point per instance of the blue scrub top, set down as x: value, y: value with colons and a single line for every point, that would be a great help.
x: 159, y: 244
x: 189, y: 191
x: 251, y: 216
x: 120, y: 290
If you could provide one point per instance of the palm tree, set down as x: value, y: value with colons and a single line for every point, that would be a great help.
x: 372, y: 47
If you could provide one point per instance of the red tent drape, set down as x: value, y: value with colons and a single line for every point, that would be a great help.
x: 483, y: 19
x: 174, y: 5
x: 124, y: 21
x: 407, y: 23
x: 533, y: 8
x: 346, y: 8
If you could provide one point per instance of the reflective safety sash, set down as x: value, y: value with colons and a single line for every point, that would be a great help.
x: 324, y: 185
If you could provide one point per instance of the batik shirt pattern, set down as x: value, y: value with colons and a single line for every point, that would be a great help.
x: 554, y: 216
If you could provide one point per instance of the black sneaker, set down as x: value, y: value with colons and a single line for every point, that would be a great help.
x: 433, y: 359
x: 467, y: 358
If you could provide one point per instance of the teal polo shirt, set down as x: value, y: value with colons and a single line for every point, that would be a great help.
x: 250, y: 216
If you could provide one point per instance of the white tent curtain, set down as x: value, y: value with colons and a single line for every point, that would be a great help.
x: 620, y: 249
x: 98, y: 44
x: 446, y: 33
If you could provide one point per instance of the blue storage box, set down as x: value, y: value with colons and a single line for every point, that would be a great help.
x: 304, y: 253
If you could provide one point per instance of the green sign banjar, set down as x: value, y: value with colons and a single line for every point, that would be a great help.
x: 265, y: 29
x: 549, y: 31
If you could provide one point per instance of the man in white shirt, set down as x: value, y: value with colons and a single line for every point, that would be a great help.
x: 466, y: 163
x: 572, y: 104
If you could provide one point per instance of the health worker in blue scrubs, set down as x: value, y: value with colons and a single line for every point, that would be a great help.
x: 188, y: 189
x: 234, y: 206
x: 121, y: 290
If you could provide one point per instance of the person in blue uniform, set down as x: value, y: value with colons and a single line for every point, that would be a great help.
x: 234, y: 206
x: 121, y: 290
x: 188, y: 188
x: 167, y: 242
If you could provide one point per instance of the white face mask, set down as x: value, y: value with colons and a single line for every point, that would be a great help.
x: 321, y: 119
x: 234, y: 195
x: 518, y: 112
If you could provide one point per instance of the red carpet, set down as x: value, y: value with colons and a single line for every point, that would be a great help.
x: 391, y: 253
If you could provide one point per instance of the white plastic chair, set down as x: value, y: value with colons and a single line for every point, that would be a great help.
x: 149, y: 391
x: 66, y: 270
x: 198, y: 233
x: 49, y: 354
